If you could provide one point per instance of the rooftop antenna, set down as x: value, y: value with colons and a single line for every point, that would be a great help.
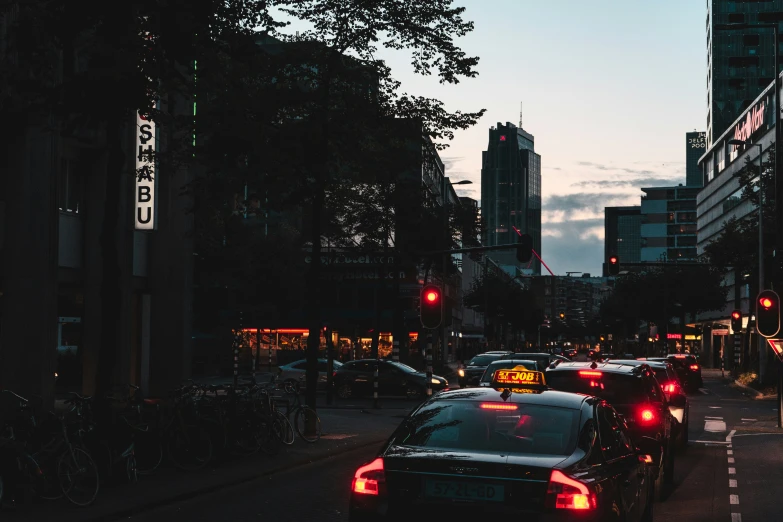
x: 520, y: 115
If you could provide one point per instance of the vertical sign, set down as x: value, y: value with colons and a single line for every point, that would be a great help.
x: 145, y: 174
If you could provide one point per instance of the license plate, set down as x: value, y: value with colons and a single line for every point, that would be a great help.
x: 463, y: 491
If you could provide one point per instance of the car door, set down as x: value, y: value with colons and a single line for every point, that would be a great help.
x: 391, y: 380
x: 621, y: 461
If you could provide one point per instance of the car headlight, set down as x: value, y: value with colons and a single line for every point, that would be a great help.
x: 435, y: 381
x: 461, y: 372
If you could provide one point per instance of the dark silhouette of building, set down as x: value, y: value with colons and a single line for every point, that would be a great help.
x: 511, y: 192
x: 622, y: 234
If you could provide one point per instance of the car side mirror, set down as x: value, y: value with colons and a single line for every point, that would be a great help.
x: 678, y: 401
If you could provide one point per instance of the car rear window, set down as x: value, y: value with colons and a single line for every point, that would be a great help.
x: 615, y: 388
x: 661, y: 375
x: 483, y: 360
x: 478, y: 426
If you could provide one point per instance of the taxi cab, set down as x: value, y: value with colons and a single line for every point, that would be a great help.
x: 514, y: 448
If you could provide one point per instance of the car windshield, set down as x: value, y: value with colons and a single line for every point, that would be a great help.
x: 613, y: 387
x: 483, y: 360
x: 403, y: 367
x: 478, y: 427
x: 499, y: 365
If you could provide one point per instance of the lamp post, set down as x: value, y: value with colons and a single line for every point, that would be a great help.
x: 447, y: 231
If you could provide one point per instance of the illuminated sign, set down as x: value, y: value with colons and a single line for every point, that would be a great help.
x: 518, y: 376
x: 145, y: 174
x: 698, y: 142
x: 752, y: 122
x: 673, y: 336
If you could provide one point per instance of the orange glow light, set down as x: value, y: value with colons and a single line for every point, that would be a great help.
x: 497, y: 406
x: 766, y: 302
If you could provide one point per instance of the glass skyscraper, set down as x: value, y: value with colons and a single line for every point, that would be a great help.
x: 740, y: 62
x: 511, y: 193
x: 622, y: 234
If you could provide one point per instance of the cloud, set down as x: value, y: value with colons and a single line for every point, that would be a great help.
x: 632, y: 182
x: 573, y: 205
x: 450, y: 161
x: 574, y: 246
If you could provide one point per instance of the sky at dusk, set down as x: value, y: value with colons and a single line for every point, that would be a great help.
x: 609, y: 89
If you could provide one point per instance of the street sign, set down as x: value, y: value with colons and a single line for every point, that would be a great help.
x: 777, y: 347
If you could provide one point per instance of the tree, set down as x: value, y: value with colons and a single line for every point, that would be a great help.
x: 429, y: 31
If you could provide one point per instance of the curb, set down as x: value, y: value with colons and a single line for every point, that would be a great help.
x: 748, y: 388
x: 143, y: 507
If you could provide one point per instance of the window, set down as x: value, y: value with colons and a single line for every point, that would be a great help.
x: 612, y: 387
x: 750, y: 39
x: 614, y: 440
x: 465, y: 425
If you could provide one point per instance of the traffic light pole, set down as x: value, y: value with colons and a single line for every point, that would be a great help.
x: 429, y: 364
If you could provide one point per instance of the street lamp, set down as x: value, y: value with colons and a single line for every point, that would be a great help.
x: 445, y: 267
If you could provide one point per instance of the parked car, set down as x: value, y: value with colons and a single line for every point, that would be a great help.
x: 355, y: 378
x: 295, y: 372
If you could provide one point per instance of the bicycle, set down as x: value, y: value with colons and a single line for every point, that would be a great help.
x: 306, y: 421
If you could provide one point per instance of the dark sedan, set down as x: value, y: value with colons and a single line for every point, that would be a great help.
x: 494, y: 453
x: 687, y: 368
x: 471, y: 374
x: 356, y: 378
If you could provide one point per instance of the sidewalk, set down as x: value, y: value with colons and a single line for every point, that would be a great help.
x: 344, y: 430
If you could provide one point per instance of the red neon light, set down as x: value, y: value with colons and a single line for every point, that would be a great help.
x: 673, y: 336
x: 367, y: 478
x: 497, y: 406
x: 589, y: 373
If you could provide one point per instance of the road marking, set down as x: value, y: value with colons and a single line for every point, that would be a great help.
x: 732, y: 483
x: 708, y: 442
x: 736, y: 517
x: 708, y: 417
x: 730, y: 435
x: 749, y: 420
x: 729, y: 452
x: 714, y: 426
x: 732, y: 471
x: 731, y: 460
x: 733, y: 499
x: 714, y: 407
x: 705, y: 392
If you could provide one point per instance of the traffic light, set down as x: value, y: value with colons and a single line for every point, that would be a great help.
x: 562, y: 315
x: 524, y: 248
x: 768, y: 313
x: 736, y: 321
x: 431, y: 311
x: 613, y: 265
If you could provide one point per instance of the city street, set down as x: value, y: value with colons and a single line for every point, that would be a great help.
x: 720, y: 477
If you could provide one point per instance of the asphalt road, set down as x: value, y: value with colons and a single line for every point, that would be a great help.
x: 731, y: 471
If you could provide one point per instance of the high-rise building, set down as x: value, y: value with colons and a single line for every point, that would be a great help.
x: 622, y: 234
x: 696, y: 146
x: 668, y: 224
x: 740, y: 61
x: 511, y: 193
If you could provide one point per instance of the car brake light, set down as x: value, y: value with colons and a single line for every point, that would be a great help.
x: 694, y: 367
x: 589, y: 373
x: 497, y: 406
x: 669, y: 388
x: 368, y: 477
x: 647, y: 415
x: 568, y: 493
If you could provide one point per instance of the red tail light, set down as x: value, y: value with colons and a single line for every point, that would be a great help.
x: 589, y: 373
x: 694, y: 367
x: 647, y: 415
x: 669, y: 388
x: 367, y: 478
x: 567, y: 493
x: 497, y: 406
x: 334, y: 374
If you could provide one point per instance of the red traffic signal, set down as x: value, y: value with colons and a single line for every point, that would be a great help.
x: 736, y: 321
x: 430, y: 308
x: 613, y: 265
x: 768, y: 313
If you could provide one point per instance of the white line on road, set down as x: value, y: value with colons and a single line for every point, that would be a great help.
x: 731, y: 460
x: 749, y: 420
x: 729, y: 452
x: 715, y: 418
x: 736, y: 517
x: 730, y: 435
x: 714, y: 407
x: 705, y: 392
x: 708, y: 442
x: 732, y: 483
x: 714, y: 426
x: 732, y: 471
x: 733, y: 499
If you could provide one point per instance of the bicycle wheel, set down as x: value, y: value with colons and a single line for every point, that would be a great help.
x: 265, y: 431
x: 283, y: 428
x: 78, y: 475
x: 307, y: 424
x: 190, y: 448
x: 149, y: 452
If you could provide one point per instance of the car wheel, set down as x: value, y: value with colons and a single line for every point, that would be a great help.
x: 344, y: 391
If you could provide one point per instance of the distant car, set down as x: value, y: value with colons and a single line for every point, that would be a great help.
x: 508, y: 364
x: 687, y: 368
x: 471, y: 374
x: 295, y: 372
x: 355, y: 378
x: 544, y: 359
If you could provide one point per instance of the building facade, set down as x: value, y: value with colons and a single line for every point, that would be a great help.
x: 668, y: 224
x: 695, y: 145
x: 622, y: 234
x: 740, y: 62
x: 511, y: 193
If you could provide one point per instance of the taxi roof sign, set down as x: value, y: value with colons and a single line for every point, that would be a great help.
x: 518, y: 377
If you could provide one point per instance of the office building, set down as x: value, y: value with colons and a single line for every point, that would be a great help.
x: 622, y: 234
x: 740, y: 61
x: 511, y: 194
x: 668, y: 224
x: 695, y: 145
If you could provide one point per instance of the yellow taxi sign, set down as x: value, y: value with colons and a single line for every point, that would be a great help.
x: 518, y: 377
